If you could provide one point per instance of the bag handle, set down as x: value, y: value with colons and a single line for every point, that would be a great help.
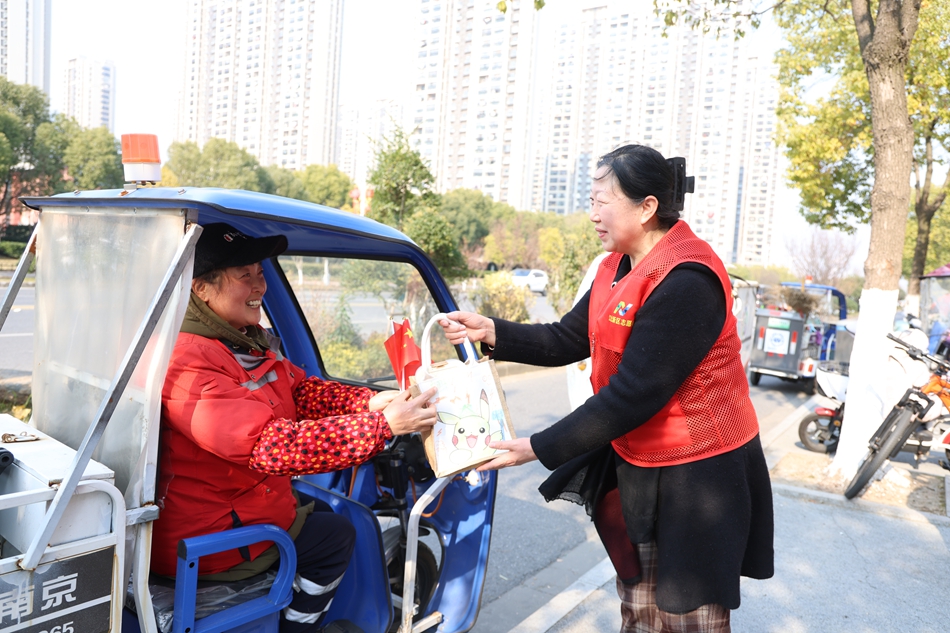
x: 426, y: 346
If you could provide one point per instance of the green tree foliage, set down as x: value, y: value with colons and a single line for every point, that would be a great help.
x: 93, y: 159
x: 433, y: 233
x: 402, y: 181
x: 830, y: 140
x: 567, y: 251
x: 31, y: 145
x: 939, y: 252
x: 472, y: 213
x: 287, y: 183
x: 327, y: 185
x: 219, y: 163
x: 499, y: 297
x: 513, y: 241
x: 928, y: 98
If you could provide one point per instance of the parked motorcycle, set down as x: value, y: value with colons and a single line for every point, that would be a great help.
x: 920, y: 415
x: 820, y: 430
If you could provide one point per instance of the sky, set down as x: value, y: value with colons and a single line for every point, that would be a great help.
x: 145, y: 39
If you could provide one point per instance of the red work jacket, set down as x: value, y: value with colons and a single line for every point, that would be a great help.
x: 214, y: 406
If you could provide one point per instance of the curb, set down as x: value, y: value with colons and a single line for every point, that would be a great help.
x: 871, y: 507
x: 559, y: 606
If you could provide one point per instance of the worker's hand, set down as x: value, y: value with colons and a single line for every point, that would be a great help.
x: 519, y: 452
x: 408, y: 414
x: 458, y: 325
x: 381, y: 400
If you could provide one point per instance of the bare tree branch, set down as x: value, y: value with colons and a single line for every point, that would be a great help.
x: 825, y: 256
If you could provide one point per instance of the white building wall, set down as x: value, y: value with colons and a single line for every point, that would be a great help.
x: 475, y: 70
x: 264, y: 74
x: 25, y: 42
x: 89, y: 95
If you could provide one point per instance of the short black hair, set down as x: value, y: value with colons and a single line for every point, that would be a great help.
x: 642, y: 171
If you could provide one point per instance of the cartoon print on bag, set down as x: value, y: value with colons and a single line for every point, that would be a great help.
x: 472, y: 431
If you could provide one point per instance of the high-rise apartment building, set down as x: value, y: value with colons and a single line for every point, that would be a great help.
x: 616, y: 78
x: 264, y: 74
x: 760, y: 178
x: 25, y: 41
x: 89, y: 95
x: 473, y: 95
x: 362, y: 129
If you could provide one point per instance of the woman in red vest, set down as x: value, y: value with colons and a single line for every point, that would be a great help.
x: 238, y: 419
x: 665, y: 456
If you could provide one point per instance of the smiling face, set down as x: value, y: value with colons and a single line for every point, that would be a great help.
x: 236, y: 296
x: 616, y: 218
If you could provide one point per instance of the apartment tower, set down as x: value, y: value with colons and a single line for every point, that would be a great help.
x: 25, y: 41
x: 473, y: 95
x: 90, y: 93
x: 617, y: 76
x: 264, y: 74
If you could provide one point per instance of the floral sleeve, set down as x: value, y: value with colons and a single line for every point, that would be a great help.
x: 335, y: 431
x: 305, y: 447
x: 316, y: 398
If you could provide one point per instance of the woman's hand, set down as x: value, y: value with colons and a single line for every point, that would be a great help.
x: 381, y: 400
x: 458, y: 325
x: 519, y: 452
x: 406, y: 414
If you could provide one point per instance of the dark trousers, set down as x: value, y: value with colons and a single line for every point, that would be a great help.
x: 324, y: 547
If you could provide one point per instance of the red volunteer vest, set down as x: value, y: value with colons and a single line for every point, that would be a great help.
x: 711, y: 412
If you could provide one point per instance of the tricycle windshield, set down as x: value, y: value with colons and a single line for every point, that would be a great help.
x: 348, y: 302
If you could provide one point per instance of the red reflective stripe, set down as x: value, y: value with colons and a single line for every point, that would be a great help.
x: 794, y: 337
x: 762, y: 332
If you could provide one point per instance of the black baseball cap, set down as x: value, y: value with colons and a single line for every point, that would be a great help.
x: 222, y: 246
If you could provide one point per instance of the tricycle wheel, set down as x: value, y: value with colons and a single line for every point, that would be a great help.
x: 754, y: 378
x: 427, y: 577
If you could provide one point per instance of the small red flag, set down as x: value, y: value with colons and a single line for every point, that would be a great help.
x: 404, y: 354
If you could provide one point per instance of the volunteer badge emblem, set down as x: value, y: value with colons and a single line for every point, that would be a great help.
x: 619, y: 313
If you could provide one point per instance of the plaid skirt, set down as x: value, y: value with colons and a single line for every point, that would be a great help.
x: 641, y: 615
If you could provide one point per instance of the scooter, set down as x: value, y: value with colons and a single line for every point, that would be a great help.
x: 820, y: 430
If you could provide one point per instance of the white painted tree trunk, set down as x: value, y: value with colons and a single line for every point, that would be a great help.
x: 868, y: 382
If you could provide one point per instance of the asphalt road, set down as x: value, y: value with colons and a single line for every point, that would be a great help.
x: 539, y: 549
x: 16, y: 337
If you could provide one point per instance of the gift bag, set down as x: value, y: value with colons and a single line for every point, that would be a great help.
x: 470, y: 405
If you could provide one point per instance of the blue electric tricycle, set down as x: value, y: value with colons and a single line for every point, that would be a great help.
x: 113, y: 272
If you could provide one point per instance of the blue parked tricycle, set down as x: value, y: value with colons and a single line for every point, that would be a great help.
x: 113, y: 272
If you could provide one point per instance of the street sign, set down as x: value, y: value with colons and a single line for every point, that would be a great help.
x: 72, y: 595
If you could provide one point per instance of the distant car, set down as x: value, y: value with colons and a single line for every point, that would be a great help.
x: 535, y: 280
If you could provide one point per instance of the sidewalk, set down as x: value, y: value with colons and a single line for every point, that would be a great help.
x: 839, y: 566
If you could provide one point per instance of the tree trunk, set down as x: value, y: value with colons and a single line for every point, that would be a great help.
x: 885, y: 44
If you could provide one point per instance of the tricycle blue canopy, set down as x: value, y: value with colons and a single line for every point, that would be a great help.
x: 350, y: 273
